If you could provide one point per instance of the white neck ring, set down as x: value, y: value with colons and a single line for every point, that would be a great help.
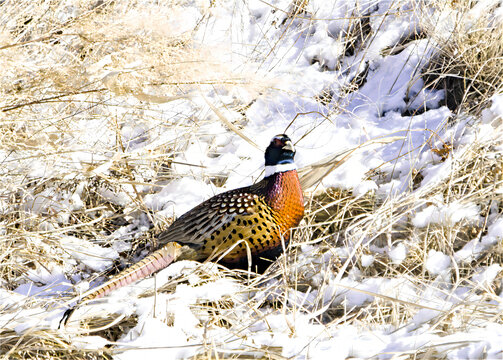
x: 273, y: 169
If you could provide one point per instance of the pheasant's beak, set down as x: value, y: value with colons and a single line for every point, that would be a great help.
x: 288, y: 146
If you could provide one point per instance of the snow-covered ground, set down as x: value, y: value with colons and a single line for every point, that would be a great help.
x: 335, y: 75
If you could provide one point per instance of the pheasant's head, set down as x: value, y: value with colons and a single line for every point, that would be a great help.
x: 279, y: 155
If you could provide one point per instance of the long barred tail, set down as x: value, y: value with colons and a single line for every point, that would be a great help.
x: 156, y: 261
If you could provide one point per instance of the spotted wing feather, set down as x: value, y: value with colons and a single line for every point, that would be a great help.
x: 237, y: 223
x: 208, y: 217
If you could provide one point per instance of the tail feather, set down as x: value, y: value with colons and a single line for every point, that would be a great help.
x: 156, y: 261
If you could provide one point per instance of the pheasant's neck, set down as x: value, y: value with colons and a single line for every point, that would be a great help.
x: 275, y: 169
x: 283, y: 192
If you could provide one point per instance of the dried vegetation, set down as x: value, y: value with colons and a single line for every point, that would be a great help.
x: 58, y: 70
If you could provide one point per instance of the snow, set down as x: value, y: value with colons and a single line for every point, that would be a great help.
x: 54, y: 283
x: 486, y: 276
x: 291, y: 66
x: 475, y: 248
x: 494, y: 232
x: 94, y: 256
x: 367, y: 260
x: 437, y: 262
x: 186, y: 200
x: 161, y: 340
x: 398, y: 253
x: 447, y: 214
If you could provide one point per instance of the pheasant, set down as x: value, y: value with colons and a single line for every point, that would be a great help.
x: 235, y: 227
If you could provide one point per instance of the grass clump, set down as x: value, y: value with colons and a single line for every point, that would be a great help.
x: 468, y: 63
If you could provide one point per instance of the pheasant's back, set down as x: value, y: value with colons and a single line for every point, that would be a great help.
x: 253, y: 221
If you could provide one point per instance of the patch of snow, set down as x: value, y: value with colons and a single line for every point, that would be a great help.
x: 447, y: 214
x: 475, y: 248
x: 54, y: 283
x: 89, y: 342
x: 154, y: 339
x: 437, y: 262
x: 96, y: 257
x: 367, y: 260
x: 179, y: 196
x: 484, y: 277
x: 364, y: 187
x: 398, y: 253
x: 494, y: 232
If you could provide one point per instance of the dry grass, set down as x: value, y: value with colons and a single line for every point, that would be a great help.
x: 468, y: 64
x: 64, y: 70
x: 44, y: 345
